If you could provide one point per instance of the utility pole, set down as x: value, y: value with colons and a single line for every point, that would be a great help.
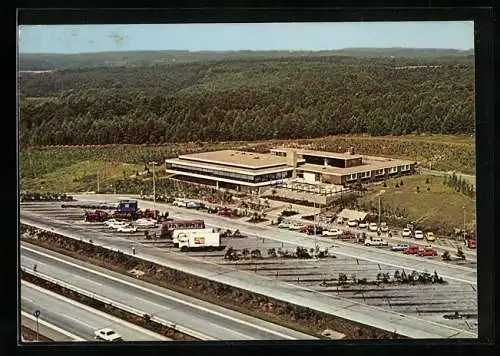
x: 97, y: 182
x: 154, y: 188
x: 36, y: 313
x: 379, y: 210
x: 464, y: 222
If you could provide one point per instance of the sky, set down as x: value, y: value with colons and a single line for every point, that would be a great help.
x: 231, y: 37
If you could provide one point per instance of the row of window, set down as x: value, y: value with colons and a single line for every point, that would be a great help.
x: 232, y: 175
x: 377, y: 172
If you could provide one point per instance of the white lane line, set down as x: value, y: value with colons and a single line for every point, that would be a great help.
x: 79, y: 321
x: 87, y: 280
x: 53, y: 327
x: 148, y: 302
x: 96, y: 312
x: 28, y: 299
x: 162, y: 295
x: 243, y: 336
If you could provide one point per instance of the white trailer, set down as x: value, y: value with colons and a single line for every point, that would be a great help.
x: 206, y: 240
x: 175, y: 233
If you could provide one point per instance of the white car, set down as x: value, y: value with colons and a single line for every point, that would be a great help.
x: 146, y: 222
x: 111, y: 222
x: 284, y: 225
x: 118, y: 224
x: 294, y: 226
x: 332, y: 232
x: 340, y: 220
x: 406, y: 232
x: 107, y: 334
x: 128, y: 228
x: 352, y: 223
x: 419, y: 235
x: 375, y: 241
x: 384, y: 227
x: 373, y: 227
x: 363, y: 225
x: 180, y: 203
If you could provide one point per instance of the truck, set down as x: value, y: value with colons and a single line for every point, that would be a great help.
x: 176, y: 233
x: 200, y: 241
x: 96, y: 216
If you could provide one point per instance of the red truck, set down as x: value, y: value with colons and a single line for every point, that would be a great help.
x: 96, y: 216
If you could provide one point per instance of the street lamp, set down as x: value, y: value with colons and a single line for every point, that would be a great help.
x: 36, y: 313
x: 463, y: 207
x: 379, y: 210
x: 153, y: 163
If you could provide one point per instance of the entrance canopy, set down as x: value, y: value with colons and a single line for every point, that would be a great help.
x: 353, y: 214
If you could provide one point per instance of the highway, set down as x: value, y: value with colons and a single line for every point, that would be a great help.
x: 378, y: 317
x: 78, y: 319
x: 397, y: 260
x: 211, y: 321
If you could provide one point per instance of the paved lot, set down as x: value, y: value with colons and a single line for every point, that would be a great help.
x: 427, y: 302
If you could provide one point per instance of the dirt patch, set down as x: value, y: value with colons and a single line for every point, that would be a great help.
x: 30, y: 335
x: 276, y: 311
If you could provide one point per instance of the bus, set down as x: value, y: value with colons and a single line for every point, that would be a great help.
x: 168, y: 227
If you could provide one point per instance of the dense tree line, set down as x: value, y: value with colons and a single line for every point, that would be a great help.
x: 244, y: 100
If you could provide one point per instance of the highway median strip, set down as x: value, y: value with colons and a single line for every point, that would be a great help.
x: 292, y: 316
x: 145, y: 321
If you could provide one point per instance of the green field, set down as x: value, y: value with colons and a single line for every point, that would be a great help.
x: 440, y: 210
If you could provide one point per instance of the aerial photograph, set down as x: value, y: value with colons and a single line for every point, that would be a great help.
x: 247, y: 181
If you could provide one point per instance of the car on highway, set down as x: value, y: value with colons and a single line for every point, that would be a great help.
x: 418, y: 235
x: 284, y: 225
x: 107, y: 334
x: 126, y: 228
x: 294, y: 226
x: 332, y: 232
x: 384, y: 227
x: 406, y: 232
x: 363, y: 225
x: 430, y: 236
x: 400, y: 247
x: 372, y: 227
x: 111, y: 222
x: 411, y: 250
x: 352, y: 223
x: 427, y: 251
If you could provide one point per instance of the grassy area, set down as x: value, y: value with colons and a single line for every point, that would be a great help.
x: 81, y: 176
x: 441, y: 209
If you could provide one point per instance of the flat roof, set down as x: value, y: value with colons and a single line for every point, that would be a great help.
x: 325, y: 154
x: 235, y: 158
x: 232, y: 169
x: 357, y: 169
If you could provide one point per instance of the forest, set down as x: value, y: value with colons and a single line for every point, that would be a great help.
x: 247, y: 99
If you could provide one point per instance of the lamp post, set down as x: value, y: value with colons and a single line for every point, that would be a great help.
x: 153, y: 163
x: 463, y: 207
x: 36, y: 313
x: 379, y: 206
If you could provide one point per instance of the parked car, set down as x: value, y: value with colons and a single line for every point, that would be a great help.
x: 384, y: 227
x: 352, y: 223
x: 294, y: 226
x: 180, y: 203
x: 311, y: 230
x: 411, y: 250
x: 430, y: 236
x: 332, y: 232
x: 193, y: 205
x: 107, y: 334
x: 375, y: 241
x: 340, y: 220
x: 363, y: 225
x: 284, y: 225
x: 471, y: 243
x: 213, y: 210
x: 126, y: 228
x: 406, y: 232
x: 111, y: 222
x: 427, y: 251
x: 146, y: 222
x: 419, y: 235
x: 372, y: 227
x: 118, y: 224
x: 399, y: 247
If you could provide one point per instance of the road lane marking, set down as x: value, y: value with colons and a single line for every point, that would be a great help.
x: 79, y: 321
x: 52, y: 326
x: 152, y: 303
x: 222, y: 315
x: 28, y: 299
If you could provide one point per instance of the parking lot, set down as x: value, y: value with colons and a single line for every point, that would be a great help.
x: 428, y: 301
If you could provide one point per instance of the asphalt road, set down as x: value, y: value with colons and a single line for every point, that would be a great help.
x: 213, y: 321
x: 390, y: 258
x: 403, y: 324
x: 77, y: 318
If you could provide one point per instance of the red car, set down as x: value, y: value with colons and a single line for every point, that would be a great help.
x: 427, y: 251
x: 412, y: 250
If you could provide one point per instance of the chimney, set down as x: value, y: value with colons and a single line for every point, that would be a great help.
x: 292, y: 161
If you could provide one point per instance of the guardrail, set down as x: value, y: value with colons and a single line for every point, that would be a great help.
x: 126, y: 308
